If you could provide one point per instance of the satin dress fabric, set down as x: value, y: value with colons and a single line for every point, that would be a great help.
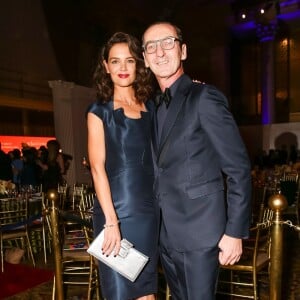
x: 129, y: 167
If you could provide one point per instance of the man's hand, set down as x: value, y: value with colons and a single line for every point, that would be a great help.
x: 230, y: 250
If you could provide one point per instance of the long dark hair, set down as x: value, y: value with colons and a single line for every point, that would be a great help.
x: 143, y: 82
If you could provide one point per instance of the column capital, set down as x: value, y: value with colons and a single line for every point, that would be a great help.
x: 61, y: 84
x: 62, y: 89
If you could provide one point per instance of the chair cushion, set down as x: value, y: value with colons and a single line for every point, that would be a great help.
x: 13, y: 255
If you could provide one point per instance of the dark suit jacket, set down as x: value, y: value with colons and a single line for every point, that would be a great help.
x: 200, y: 145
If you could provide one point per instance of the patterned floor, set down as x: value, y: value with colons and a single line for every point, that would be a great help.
x: 290, y: 282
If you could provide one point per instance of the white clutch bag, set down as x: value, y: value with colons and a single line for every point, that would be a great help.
x: 129, y: 262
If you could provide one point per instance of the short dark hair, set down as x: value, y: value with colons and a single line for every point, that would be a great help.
x: 16, y: 153
x: 177, y: 29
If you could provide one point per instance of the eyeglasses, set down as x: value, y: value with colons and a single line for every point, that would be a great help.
x: 167, y: 43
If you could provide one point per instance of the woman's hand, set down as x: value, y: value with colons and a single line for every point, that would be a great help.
x: 112, y: 240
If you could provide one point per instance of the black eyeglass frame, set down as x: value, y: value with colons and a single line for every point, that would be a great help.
x: 174, y: 39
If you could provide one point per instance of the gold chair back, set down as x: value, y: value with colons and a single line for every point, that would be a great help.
x: 14, y: 222
x: 78, y: 267
x: 241, y: 279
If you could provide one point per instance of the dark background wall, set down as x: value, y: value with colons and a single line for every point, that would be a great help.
x: 59, y: 39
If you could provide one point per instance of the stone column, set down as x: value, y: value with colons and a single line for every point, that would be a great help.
x: 70, y: 102
x: 266, y: 33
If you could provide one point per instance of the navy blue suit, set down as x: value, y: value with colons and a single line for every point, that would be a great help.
x: 199, y: 152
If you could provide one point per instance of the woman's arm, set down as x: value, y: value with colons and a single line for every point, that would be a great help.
x: 96, y: 152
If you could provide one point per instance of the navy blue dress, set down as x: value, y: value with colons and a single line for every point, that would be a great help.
x: 129, y: 168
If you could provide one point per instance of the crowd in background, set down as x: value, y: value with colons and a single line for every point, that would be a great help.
x: 272, y: 169
x: 44, y: 166
x: 275, y: 157
x: 47, y: 166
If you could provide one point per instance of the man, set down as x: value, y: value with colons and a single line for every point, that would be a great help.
x: 196, y: 144
x: 5, y: 166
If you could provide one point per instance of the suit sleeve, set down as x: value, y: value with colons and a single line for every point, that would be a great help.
x: 223, y: 134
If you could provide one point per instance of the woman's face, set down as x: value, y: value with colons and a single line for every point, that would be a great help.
x: 121, y: 65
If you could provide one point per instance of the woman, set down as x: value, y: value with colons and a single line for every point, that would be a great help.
x: 52, y: 166
x: 119, y: 129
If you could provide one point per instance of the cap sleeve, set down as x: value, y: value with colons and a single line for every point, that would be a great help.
x: 98, y: 109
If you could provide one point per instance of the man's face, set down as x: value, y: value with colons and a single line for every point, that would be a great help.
x: 164, y: 63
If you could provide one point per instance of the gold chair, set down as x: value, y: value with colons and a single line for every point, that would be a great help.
x: 297, y: 205
x: 78, y: 267
x: 77, y: 193
x: 241, y: 279
x: 290, y: 188
x: 289, y: 185
x: 14, y: 225
x: 164, y: 288
x: 70, y: 210
x: 40, y: 229
x: 63, y: 195
x: 168, y: 293
x: 258, y: 201
x: 290, y: 176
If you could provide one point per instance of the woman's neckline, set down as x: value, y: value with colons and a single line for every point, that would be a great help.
x: 122, y: 109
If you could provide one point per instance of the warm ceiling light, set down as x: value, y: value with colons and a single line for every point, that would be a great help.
x: 284, y: 42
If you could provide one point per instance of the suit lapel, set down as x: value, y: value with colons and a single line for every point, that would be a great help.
x: 150, y: 105
x: 154, y: 134
x: 177, y: 102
